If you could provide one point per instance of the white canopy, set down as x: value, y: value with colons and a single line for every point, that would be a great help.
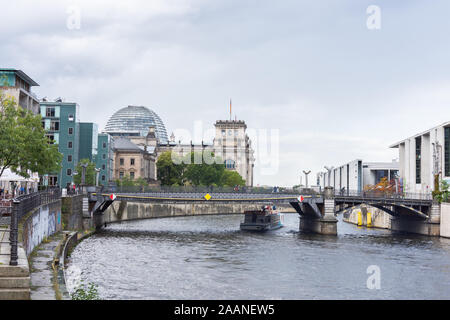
x: 8, y: 175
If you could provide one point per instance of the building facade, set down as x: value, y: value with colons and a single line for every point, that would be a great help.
x: 88, y: 141
x: 233, y: 145
x: 146, y: 131
x: 105, y: 161
x: 356, y: 175
x: 60, y: 120
x: 424, y: 155
x: 15, y: 83
x: 133, y: 161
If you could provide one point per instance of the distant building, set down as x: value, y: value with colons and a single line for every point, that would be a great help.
x: 234, y: 146
x: 424, y: 155
x: 146, y: 131
x: 134, y: 121
x: 15, y: 83
x: 61, y: 121
x: 88, y: 141
x: 105, y: 158
x: 133, y: 161
x: 76, y: 141
x: 356, y: 174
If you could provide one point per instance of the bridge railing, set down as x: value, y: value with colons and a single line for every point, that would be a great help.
x: 197, y: 189
x: 382, y: 194
x: 23, y: 205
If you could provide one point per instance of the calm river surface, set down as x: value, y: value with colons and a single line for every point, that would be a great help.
x: 208, y: 257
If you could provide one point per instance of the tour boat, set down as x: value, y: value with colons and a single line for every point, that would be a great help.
x: 268, y: 218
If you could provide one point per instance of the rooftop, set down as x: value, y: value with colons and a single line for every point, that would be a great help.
x: 396, y: 145
x: 21, y: 75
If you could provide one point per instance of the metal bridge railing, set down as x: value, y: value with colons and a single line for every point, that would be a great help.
x: 374, y: 194
x: 23, y: 205
x: 197, y: 189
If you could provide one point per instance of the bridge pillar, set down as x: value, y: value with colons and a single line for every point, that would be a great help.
x: 435, y: 213
x: 327, y: 224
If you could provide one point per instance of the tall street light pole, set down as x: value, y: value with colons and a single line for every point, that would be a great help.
x: 97, y: 172
x: 329, y: 169
x: 306, y: 177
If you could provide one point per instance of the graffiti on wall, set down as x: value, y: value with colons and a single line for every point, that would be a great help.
x: 44, y: 222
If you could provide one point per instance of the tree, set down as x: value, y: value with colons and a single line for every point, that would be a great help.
x: 126, y: 181
x: 90, y: 173
x: 442, y: 195
x: 24, y: 148
x: 204, y: 174
x: 170, y: 172
x: 232, y: 178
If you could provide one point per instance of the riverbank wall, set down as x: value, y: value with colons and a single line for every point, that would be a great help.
x: 445, y: 220
x: 40, y: 224
x: 367, y: 216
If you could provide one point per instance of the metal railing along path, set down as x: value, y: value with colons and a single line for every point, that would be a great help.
x: 22, y: 205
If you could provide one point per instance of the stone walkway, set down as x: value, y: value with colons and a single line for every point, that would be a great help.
x: 43, y: 278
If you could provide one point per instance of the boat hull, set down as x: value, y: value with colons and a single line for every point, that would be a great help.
x: 262, y: 226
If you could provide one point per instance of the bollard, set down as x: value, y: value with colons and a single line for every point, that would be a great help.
x: 14, y: 232
x: 369, y: 220
x: 359, y: 218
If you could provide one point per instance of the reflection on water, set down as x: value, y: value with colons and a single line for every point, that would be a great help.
x: 208, y: 257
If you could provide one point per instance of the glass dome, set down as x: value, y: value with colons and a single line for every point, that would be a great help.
x: 135, y: 121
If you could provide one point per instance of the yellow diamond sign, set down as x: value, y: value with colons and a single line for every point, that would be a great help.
x: 207, y: 196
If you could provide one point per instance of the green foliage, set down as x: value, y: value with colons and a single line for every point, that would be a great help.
x: 125, y: 182
x: 90, y: 173
x: 23, y: 145
x: 443, y: 194
x: 232, y: 178
x: 204, y: 174
x: 141, y: 182
x: 170, y: 169
x: 175, y: 171
x: 89, y: 292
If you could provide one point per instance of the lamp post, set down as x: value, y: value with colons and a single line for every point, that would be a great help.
x: 83, y: 175
x: 319, y: 177
x: 329, y: 169
x: 306, y: 177
x: 97, y: 172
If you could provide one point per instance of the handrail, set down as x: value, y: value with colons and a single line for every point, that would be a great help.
x: 23, y: 205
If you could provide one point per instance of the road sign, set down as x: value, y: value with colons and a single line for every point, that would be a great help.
x: 112, y: 196
x: 207, y: 196
x: 300, y: 199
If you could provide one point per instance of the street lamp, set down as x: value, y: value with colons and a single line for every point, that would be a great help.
x: 97, y: 170
x: 83, y: 174
x: 329, y: 169
x: 306, y: 177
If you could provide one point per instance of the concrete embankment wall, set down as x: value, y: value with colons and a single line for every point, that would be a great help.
x: 40, y: 224
x: 445, y: 220
x: 123, y: 211
x: 368, y: 216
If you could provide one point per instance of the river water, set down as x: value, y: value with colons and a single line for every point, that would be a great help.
x: 208, y: 257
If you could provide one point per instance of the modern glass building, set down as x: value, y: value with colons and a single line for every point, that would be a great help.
x: 135, y: 121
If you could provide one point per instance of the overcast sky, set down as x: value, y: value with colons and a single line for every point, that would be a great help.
x: 334, y: 89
